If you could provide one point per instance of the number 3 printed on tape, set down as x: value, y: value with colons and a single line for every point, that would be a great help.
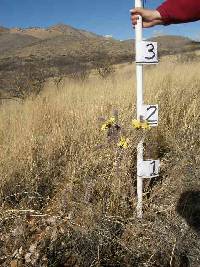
x: 150, y: 51
x: 147, y: 52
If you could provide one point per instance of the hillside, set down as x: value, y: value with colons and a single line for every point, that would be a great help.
x: 62, y: 40
x: 170, y: 44
x: 59, y: 40
x: 68, y: 184
x: 10, y: 43
x: 68, y: 191
x: 3, y: 29
x: 62, y: 49
x: 53, y: 31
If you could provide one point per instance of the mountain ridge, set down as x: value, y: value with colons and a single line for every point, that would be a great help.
x: 61, y: 39
x: 52, y: 31
x: 62, y: 49
x: 68, y: 29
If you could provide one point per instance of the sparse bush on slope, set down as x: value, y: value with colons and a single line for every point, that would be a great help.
x: 27, y: 81
x: 69, y: 199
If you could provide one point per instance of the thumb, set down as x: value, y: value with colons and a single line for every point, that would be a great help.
x: 137, y: 11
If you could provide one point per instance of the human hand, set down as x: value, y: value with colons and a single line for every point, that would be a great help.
x: 150, y: 18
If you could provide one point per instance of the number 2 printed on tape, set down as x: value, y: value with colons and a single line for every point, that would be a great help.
x: 150, y: 114
x: 147, y: 52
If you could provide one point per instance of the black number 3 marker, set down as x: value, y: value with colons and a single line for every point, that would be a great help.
x: 151, y: 49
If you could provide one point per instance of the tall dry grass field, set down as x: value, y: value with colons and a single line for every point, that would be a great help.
x: 68, y: 192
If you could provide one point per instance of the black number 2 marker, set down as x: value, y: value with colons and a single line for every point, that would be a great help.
x: 154, y: 109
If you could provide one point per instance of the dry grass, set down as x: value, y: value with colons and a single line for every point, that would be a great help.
x: 68, y: 193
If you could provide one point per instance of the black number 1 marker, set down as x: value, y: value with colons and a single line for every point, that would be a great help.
x: 154, y: 168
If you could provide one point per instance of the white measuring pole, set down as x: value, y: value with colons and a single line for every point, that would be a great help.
x: 139, y: 67
x: 139, y: 79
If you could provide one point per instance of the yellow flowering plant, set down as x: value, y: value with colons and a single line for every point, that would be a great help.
x: 108, y: 124
x: 140, y: 125
x: 123, y: 143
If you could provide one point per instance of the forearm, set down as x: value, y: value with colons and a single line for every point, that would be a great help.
x: 179, y: 11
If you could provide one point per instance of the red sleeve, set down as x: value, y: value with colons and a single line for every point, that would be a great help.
x: 180, y: 11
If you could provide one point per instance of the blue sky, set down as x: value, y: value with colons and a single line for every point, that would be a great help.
x: 105, y: 17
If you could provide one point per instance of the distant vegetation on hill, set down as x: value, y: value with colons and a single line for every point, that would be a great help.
x: 63, y: 50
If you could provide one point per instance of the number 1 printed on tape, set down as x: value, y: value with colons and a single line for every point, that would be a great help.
x: 148, y: 168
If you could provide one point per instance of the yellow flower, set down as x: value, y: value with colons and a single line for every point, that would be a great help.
x: 136, y: 124
x: 145, y: 125
x: 123, y: 143
x: 109, y: 123
x: 104, y: 127
x: 140, y: 125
